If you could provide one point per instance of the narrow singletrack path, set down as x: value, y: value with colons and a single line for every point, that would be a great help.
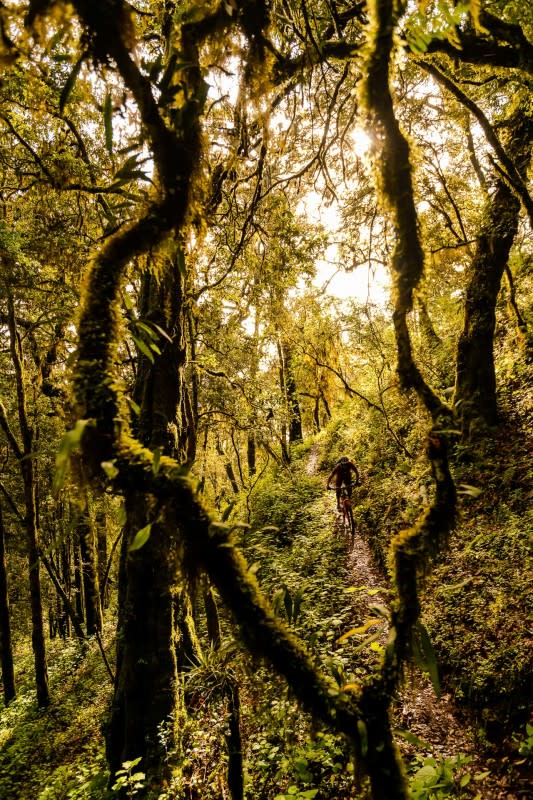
x: 435, y: 721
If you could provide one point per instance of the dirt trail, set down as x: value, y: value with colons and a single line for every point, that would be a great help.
x: 434, y: 720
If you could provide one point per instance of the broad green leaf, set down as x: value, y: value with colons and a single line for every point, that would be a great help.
x: 143, y: 347
x: 127, y: 167
x: 141, y: 537
x: 148, y: 329
x: 227, y: 511
x: 411, y: 738
x: 156, y: 460
x: 423, y: 649
x: 182, y: 266
x: 128, y: 302
x: 135, y: 407
x: 363, y: 736
x: 287, y: 602
x: 70, y: 442
x: 70, y: 83
x: 277, y: 600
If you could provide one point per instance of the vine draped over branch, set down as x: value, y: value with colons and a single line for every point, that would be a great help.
x: 362, y: 715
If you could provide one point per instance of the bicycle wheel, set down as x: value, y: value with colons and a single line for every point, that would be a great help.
x: 351, y: 524
x: 345, y: 520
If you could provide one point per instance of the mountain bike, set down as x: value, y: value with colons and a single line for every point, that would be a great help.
x: 346, y: 509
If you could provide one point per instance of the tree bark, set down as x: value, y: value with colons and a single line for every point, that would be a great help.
x: 101, y: 556
x: 228, y: 468
x: 26, y: 456
x: 69, y: 611
x: 234, y: 742
x: 6, y: 650
x: 289, y: 388
x: 91, y: 591
x: 148, y: 692
x: 78, y: 579
x: 475, y: 383
x: 251, y: 453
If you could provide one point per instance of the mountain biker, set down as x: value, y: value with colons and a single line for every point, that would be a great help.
x: 342, y: 474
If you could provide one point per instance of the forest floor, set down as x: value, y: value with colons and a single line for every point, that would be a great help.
x: 433, y: 724
x: 434, y: 721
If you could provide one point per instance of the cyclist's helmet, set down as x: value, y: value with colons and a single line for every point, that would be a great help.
x: 344, y: 460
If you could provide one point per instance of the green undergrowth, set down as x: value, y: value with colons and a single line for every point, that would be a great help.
x: 475, y: 603
x: 299, y: 558
x: 58, y: 752
x: 476, y: 599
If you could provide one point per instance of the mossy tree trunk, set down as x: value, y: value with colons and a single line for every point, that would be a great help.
x: 475, y: 385
x: 290, y: 390
x: 148, y: 695
x: 251, y: 453
x: 157, y: 490
x: 89, y: 572
x: 147, y: 692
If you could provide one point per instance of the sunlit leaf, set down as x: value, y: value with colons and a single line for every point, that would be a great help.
x: 110, y: 469
x: 141, y: 537
x: 361, y: 629
x: 471, y: 491
x: 411, y: 738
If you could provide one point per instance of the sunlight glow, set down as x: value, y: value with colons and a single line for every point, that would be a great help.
x: 362, y: 142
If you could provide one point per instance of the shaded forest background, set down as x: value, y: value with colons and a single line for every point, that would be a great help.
x: 179, y: 183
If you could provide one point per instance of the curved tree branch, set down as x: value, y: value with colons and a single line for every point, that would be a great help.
x: 511, y: 173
